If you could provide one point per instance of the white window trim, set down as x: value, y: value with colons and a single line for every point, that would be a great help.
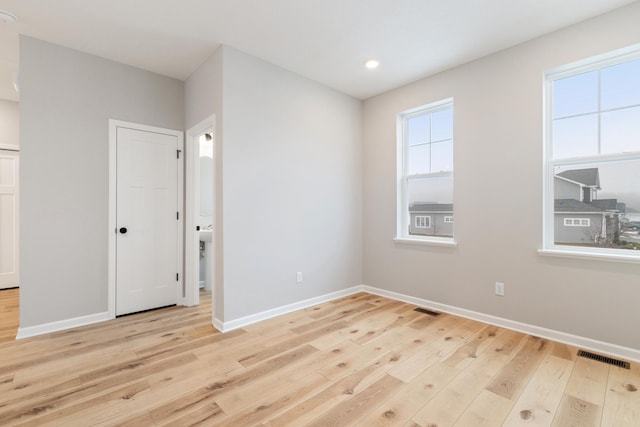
x: 403, y: 217
x: 432, y: 241
x: 549, y: 248
x: 448, y: 219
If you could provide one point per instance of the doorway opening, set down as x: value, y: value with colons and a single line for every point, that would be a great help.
x: 200, y: 220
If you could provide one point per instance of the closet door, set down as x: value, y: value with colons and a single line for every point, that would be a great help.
x: 8, y: 219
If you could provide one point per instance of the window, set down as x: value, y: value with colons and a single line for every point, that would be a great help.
x: 423, y: 221
x: 593, y: 156
x: 425, y: 173
x: 577, y: 222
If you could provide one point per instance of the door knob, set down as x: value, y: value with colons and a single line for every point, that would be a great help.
x: 123, y: 230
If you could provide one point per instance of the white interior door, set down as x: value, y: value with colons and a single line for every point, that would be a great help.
x: 8, y: 219
x: 147, y: 225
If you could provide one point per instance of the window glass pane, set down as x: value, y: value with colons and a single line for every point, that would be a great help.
x: 575, y: 137
x: 442, y: 125
x: 431, y: 190
x: 620, y: 85
x: 418, y: 130
x: 575, y: 95
x: 418, y: 159
x: 442, y: 156
x: 432, y: 197
x: 604, y: 207
x: 620, y: 131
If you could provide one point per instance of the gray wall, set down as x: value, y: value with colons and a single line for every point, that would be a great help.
x: 292, y: 187
x: 288, y: 183
x: 566, y: 190
x: 9, y: 124
x: 203, y: 98
x: 498, y: 135
x: 67, y: 98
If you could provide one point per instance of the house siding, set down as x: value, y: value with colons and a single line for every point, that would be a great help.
x: 438, y: 226
x: 577, y: 235
x: 566, y: 190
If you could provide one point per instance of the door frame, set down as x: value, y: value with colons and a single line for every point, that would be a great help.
x: 111, y: 231
x: 192, y: 196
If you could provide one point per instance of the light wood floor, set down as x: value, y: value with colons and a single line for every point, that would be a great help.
x: 359, y: 361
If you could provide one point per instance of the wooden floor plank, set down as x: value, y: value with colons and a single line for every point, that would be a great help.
x: 487, y: 410
x: 361, y: 360
x: 511, y: 380
x: 450, y: 404
x: 400, y: 407
x: 622, y: 399
x: 538, y: 403
x: 577, y: 412
x: 588, y: 381
x: 351, y: 410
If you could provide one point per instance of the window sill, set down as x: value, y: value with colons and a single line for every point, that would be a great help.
x: 563, y: 253
x: 426, y: 242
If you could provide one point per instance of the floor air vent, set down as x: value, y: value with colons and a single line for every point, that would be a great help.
x: 604, y: 359
x: 425, y: 311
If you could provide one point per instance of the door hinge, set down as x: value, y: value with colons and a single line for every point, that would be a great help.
x: 178, y: 153
x: 177, y: 277
x: 178, y: 216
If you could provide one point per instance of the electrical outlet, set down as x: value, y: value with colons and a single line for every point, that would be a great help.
x: 299, y: 277
x: 500, y: 289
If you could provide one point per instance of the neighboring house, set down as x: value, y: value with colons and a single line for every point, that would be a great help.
x: 578, y: 222
x: 431, y: 219
x: 579, y: 217
x: 578, y: 184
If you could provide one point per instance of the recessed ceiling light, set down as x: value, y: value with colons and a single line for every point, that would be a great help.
x: 371, y: 63
x: 8, y: 18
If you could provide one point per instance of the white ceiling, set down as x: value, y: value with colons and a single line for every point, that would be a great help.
x: 324, y: 40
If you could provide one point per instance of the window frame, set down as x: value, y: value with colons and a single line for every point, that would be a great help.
x: 424, y: 218
x: 549, y: 247
x: 571, y: 222
x: 403, y: 217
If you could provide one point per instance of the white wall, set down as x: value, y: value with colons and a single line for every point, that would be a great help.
x: 9, y: 125
x: 203, y: 91
x: 292, y: 187
x: 66, y: 100
x: 498, y: 195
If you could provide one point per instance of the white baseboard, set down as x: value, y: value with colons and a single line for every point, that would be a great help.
x: 278, y: 311
x: 219, y: 325
x: 574, y: 340
x: 46, y: 328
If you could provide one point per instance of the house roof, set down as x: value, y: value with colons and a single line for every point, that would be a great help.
x: 608, y: 204
x: 575, y: 206
x: 430, y: 207
x: 588, y: 177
